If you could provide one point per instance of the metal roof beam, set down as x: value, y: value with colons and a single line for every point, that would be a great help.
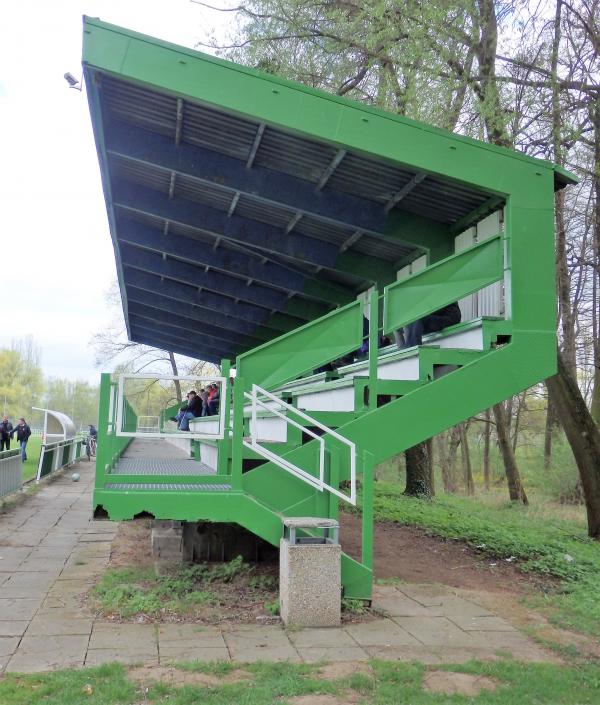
x: 246, y: 232
x: 328, y: 173
x: 219, y: 283
x: 178, y: 121
x: 191, y: 294
x: 197, y: 315
x: 228, y: 261
x: 182, y: 321
x: 255, y: 145
x: 351, y: 240
x: 214, y: 168
x: 404, y: 191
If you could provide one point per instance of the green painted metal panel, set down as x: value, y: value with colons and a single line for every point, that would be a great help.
x: 239, y: 89
x: 450, y: 279
x: 303, y: 349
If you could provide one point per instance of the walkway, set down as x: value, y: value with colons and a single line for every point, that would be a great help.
x: 51, y: 553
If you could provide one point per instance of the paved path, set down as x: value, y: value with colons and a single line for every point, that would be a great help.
x: 51, y: 553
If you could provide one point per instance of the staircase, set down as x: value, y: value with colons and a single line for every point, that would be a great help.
x: 295, y: 442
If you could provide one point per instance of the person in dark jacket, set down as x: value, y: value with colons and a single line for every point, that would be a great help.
x: 213, y: 400
x: 194, y: 409
x: 436, y: 321
x: 23, y: 432
x: 6, y: 433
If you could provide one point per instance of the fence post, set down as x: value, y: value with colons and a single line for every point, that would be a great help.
x: 237, y: 441
x: 367, y: 510
x: 373, y: 347
x: 224, y: 445
x: 104, y: 447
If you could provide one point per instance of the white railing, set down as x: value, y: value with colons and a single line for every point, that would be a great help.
x: 119, y: 400
x: 148, y: 424
x: 257, y: 397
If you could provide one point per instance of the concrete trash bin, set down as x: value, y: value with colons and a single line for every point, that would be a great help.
x: 310, y: 573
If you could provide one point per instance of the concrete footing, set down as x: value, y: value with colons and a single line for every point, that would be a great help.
x: 310, y: 584
x: 167, y: 546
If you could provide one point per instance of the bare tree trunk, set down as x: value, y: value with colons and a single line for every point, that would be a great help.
x: 515, y: 487
x: 418, y: 475
x: 549, y: 430
x: 595, y: 115
x: 447, y: 479
x: 486, y: 450
x: 520, y: 405
x: 430, y: 456
x: 584, y: 438
x: 176, y: 373
x: 466, y: 460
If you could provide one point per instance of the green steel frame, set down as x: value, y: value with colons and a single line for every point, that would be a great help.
x: 519, y: 350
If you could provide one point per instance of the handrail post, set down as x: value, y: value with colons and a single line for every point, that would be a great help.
x: 224, y: 444
x: 367, y: 510
x: 237, y: 441
x: 334, y: 481
x: 373, y: 347
x: 104, y: 449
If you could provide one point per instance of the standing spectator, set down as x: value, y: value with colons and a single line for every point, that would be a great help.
x: 23, y: 432
x: 204, y: 397
x: 6, y: 433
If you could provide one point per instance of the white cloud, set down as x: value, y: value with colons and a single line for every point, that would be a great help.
x: 56, y: 257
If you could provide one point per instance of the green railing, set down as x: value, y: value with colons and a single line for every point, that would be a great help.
x: 110, y: 446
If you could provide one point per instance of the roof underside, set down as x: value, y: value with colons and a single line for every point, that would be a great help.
x: 229, y: 230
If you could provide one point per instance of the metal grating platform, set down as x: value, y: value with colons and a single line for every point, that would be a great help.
x: 161, y: 466
x: 184, y: 487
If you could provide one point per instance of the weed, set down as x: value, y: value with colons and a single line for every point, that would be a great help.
x: 264, y: 583
x: 352, y: 606
x: 272, y: 607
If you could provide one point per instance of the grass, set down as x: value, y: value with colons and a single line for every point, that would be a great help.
x: 30, y: 466
x: 542, y: 544
x: 387, y: 683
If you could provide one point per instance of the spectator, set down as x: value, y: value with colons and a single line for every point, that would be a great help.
x: 204, y: 397
x: 194, y: 410
x: 181, y: 412
x: 93, y: 432
x: 6, y: 433
x: 438, y: 320
x: 23, y: 432
x: 213, y: 400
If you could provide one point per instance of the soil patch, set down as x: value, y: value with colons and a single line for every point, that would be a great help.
x: 450, y: 683
x: 343, y: 669
x: 348, y: 697
x: 131, y: 546
x: 146, y: 676
x: 413, y: 556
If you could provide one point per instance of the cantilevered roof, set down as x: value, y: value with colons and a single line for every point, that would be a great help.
x: 242, y: 206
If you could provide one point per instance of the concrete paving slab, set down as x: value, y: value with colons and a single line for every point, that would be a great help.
x: 38, y: 565
x: 436, y: 631
x: 31, y: 580
x: 333, y: 653
x: 428, y: 595
x: 16, y: 627
x: 37, y: 663
x: 454, y: 606
x: 138, y: 638
x: 12, y: 609
x: 8, y: 645
x: 260, y: 643
x: 396, y: 604
x: 170, y: 654
x: 320, y: 638
x: 189, y: 636
x: 66, y: 647
x: 96, y: 657
x: 381, y: 633
x: 59, y: 623
x: 490, y: 623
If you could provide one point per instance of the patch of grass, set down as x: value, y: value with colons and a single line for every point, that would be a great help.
x: 547, y: 546
x: 389, y: 683
x: 108, y: 683
x: 130, y: 591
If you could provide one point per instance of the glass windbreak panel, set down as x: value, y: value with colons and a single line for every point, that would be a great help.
x: 156, y: 406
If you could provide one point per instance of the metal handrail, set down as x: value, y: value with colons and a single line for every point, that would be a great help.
x: 318, y: 483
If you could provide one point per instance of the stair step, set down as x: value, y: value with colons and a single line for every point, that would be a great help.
x: 180, y: 487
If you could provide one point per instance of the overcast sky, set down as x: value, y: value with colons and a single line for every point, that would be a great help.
x: 56, y: 258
